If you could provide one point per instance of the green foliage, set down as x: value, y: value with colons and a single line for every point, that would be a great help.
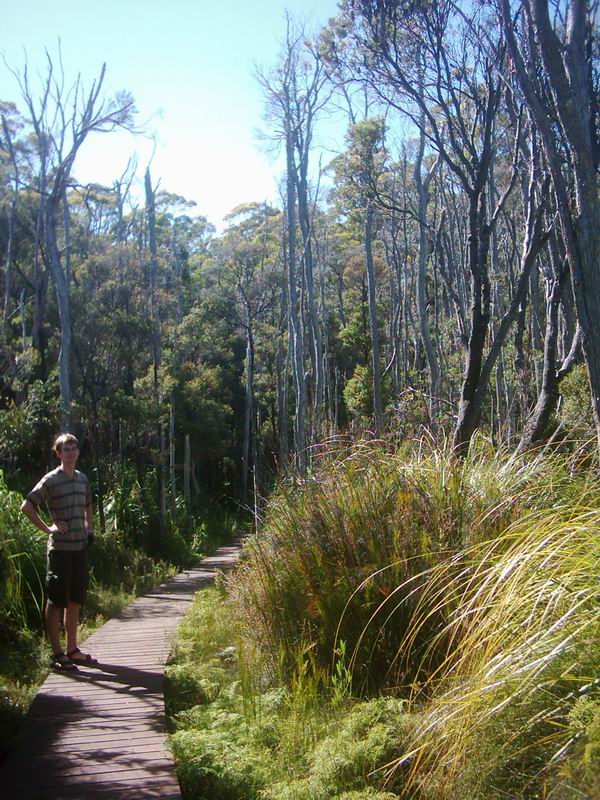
x: 26, y: 429
x: 23, y: 666
x: 576, y: 409
x: 236, y: 739
x: 121, y: 567
x: 358, y: 393
x: 345, y: 761
x: 493, y: 617
x: 582, y: 766
x: 22, y: 564
x: 124, y: 506
x: 503, y: 716
x: 132, y: 511
x: 341, y: 677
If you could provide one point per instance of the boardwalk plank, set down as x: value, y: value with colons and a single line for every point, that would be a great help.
x: 99, y: 732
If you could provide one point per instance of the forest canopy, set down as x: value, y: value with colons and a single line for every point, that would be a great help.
x: 445, y: 279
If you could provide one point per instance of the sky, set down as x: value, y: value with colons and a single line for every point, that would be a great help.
x: 190, y: 67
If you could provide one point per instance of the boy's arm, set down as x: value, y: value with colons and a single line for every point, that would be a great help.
x: 88, y: 517
x: 88, y: 520
x: 30, y: 511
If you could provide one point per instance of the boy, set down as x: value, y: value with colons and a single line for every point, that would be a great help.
x: 66, y: 493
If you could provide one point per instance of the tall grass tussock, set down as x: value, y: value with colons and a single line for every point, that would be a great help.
x: 464, y: 593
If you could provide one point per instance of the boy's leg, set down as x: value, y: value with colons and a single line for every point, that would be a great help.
x: 58, y: 576
x: 77, y: 597
x: 71, y: 623
x: 53, y: 618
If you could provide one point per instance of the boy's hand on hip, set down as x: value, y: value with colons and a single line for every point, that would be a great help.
x: 59, y: 527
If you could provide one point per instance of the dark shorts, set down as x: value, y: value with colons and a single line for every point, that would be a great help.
x: 66, y: 577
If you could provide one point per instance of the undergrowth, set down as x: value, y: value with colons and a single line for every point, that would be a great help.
x: 237, y: 736
x: 404, y: 623
x: 334, y: 548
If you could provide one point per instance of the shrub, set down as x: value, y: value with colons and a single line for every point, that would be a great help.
x: 22, y: 564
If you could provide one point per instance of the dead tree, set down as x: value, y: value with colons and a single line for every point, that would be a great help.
x: 61, y: 119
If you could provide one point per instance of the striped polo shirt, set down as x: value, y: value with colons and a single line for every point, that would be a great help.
x: 66, y: 499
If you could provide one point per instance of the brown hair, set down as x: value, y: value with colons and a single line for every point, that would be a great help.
x: 63, y: 439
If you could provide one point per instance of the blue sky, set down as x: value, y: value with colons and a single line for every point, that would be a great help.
x: 189, y: 66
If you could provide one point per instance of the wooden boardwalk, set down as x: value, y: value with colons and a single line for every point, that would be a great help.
x: 100, y: 732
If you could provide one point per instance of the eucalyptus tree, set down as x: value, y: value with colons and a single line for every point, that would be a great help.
x: 11, y: 179
x: 18, y: 153
x: 551, y: 46
x: 309, y: 94
x: 428, y: 61
x: 249, y: 251
x: 357, y: 171
x: 156, y: 340
x: 295, y: 92
x: 561, y: 353
x: 350, y: 73
x: 61, y: 119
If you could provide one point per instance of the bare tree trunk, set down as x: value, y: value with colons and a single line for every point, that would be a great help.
x: 282, y: 367
x: 293, y: 311
x: 374, y: 331
x: 472, y: 403
x: 187, y: 458
x: 61, y: 282
x: 40, y: 290
x: 469, y: 412
x: 172, y: 479
x: 163, y: 478
x: 97, y: 453
x: 567, y: 66
x: 248, y: 408
x: 21, y: 309
x: 156, y: 339
x: 537, y: 424
x: 10, y: 220
x: 422, y: 187
x: 73, y: 116
x: 304, y: 219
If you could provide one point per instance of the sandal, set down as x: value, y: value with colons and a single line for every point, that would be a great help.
x: 85, y: 659
x: 60, y: 661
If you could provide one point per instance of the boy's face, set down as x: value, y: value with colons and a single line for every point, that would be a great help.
x: 68, y: 454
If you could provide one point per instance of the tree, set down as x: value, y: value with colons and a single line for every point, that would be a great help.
x: 427, y: 62
x: 285, y: 112
x: 250, y: 253
x: 566, y: 84
x: 358, y: 171
x: 62, y: 118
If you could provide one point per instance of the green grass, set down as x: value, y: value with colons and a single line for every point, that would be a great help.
x: 522, y: 649
x: 333, y: 549
x: 404, y: 623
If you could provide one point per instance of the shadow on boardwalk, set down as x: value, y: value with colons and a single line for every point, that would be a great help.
x: 100, y: 732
